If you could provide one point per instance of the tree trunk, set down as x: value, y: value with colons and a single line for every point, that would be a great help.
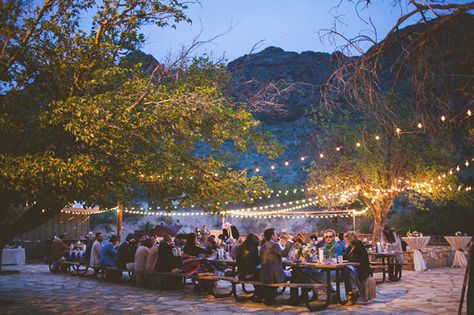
x: 378, y: 226
x: 2, y: 245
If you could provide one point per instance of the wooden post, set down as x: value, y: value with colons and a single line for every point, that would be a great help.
x: 353, y: 222
x: 468, y: 270
x: 119, y: 221
x: 223, y: 220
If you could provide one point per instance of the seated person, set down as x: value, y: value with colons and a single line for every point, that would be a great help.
x: 166, y: 261
x: 272, y: 270
x: 108, y: 254
x: 331, y: 250
x: 190, y: 251
x: 152, y: 258
x: 354, y: 276
x: 108, y: 258
x: 211, y: 245
x: 141, y: 256
x: 124, y: 252
x: 58, y: 248
x: 248, y: 262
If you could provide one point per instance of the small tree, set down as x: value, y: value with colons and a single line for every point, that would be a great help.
x: 371, y: 163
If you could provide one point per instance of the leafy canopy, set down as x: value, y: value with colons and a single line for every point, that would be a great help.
x: 78, y: 121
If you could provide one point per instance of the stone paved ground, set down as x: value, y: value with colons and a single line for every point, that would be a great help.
x: 37, y: 291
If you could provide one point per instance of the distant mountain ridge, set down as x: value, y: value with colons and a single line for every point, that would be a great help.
x: 305, y: 72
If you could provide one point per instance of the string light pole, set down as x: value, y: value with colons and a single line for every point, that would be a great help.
x: 119, y: 220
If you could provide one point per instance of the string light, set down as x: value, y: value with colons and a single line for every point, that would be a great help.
x: 443, y: 118
x: 419, y: 126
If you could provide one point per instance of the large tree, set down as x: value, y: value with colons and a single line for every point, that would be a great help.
x: 78, y: 121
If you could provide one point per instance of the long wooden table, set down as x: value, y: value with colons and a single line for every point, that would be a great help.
x: 336, y: 267
x: 327, y: 267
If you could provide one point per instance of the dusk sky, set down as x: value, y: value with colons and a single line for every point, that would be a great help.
x: 292, y: 25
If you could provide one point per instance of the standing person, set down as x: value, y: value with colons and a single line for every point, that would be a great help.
x: 272, y: 270
x: 95, y: 253
x: 354, y: 276
x: 394, y: 244
x: 248, y: 263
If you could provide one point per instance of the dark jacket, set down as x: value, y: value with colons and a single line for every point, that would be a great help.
x: 272, y: 269
x: 357, y: 253
x: 193, y: 250
x: 58, y: 249
x: 166, y: 260
x: 247, y: 261
x: 124, y: 255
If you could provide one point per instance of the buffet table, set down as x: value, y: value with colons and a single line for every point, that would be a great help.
x: 416, y: 244
x: 13, y: 256
x: 459, y: 243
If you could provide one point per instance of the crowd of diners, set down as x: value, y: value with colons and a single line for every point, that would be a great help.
x: 258, y: 257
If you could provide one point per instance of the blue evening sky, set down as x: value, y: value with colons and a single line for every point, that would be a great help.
x: 290, y: 24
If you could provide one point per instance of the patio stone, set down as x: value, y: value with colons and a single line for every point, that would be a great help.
x: 37, y: 291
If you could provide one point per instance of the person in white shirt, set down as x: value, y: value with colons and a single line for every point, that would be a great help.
x: 141, y: 256
x: 95, y: 252
x: 151, y: 259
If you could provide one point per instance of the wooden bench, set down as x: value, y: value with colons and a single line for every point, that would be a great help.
x: 311, y: 305
x: 75, y: 268
x: 105, y: 271
x: 376, y: 266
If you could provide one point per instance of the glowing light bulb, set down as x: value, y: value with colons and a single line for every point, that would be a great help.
x: 257, y: 170
x: 272, y: 167
x: 398, y: 130
x: 321, y: 155
x: 443, y: 118
x: 466, y: 163
x: 302, y: 158
x: 469, y: 113
x: 377, y: 138
x: 358, y: 144
x: 419, y: 126
x: 338, y: 149
x: 287, y: 163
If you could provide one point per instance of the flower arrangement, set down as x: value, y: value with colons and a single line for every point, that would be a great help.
x: 413, y: 234
x: 310, y: 252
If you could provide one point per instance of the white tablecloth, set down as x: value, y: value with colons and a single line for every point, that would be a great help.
x: 459, y: 243
x: 417, y: 243
x: 13, y: 256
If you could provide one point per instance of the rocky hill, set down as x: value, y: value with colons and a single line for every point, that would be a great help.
x: 285, y: 113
